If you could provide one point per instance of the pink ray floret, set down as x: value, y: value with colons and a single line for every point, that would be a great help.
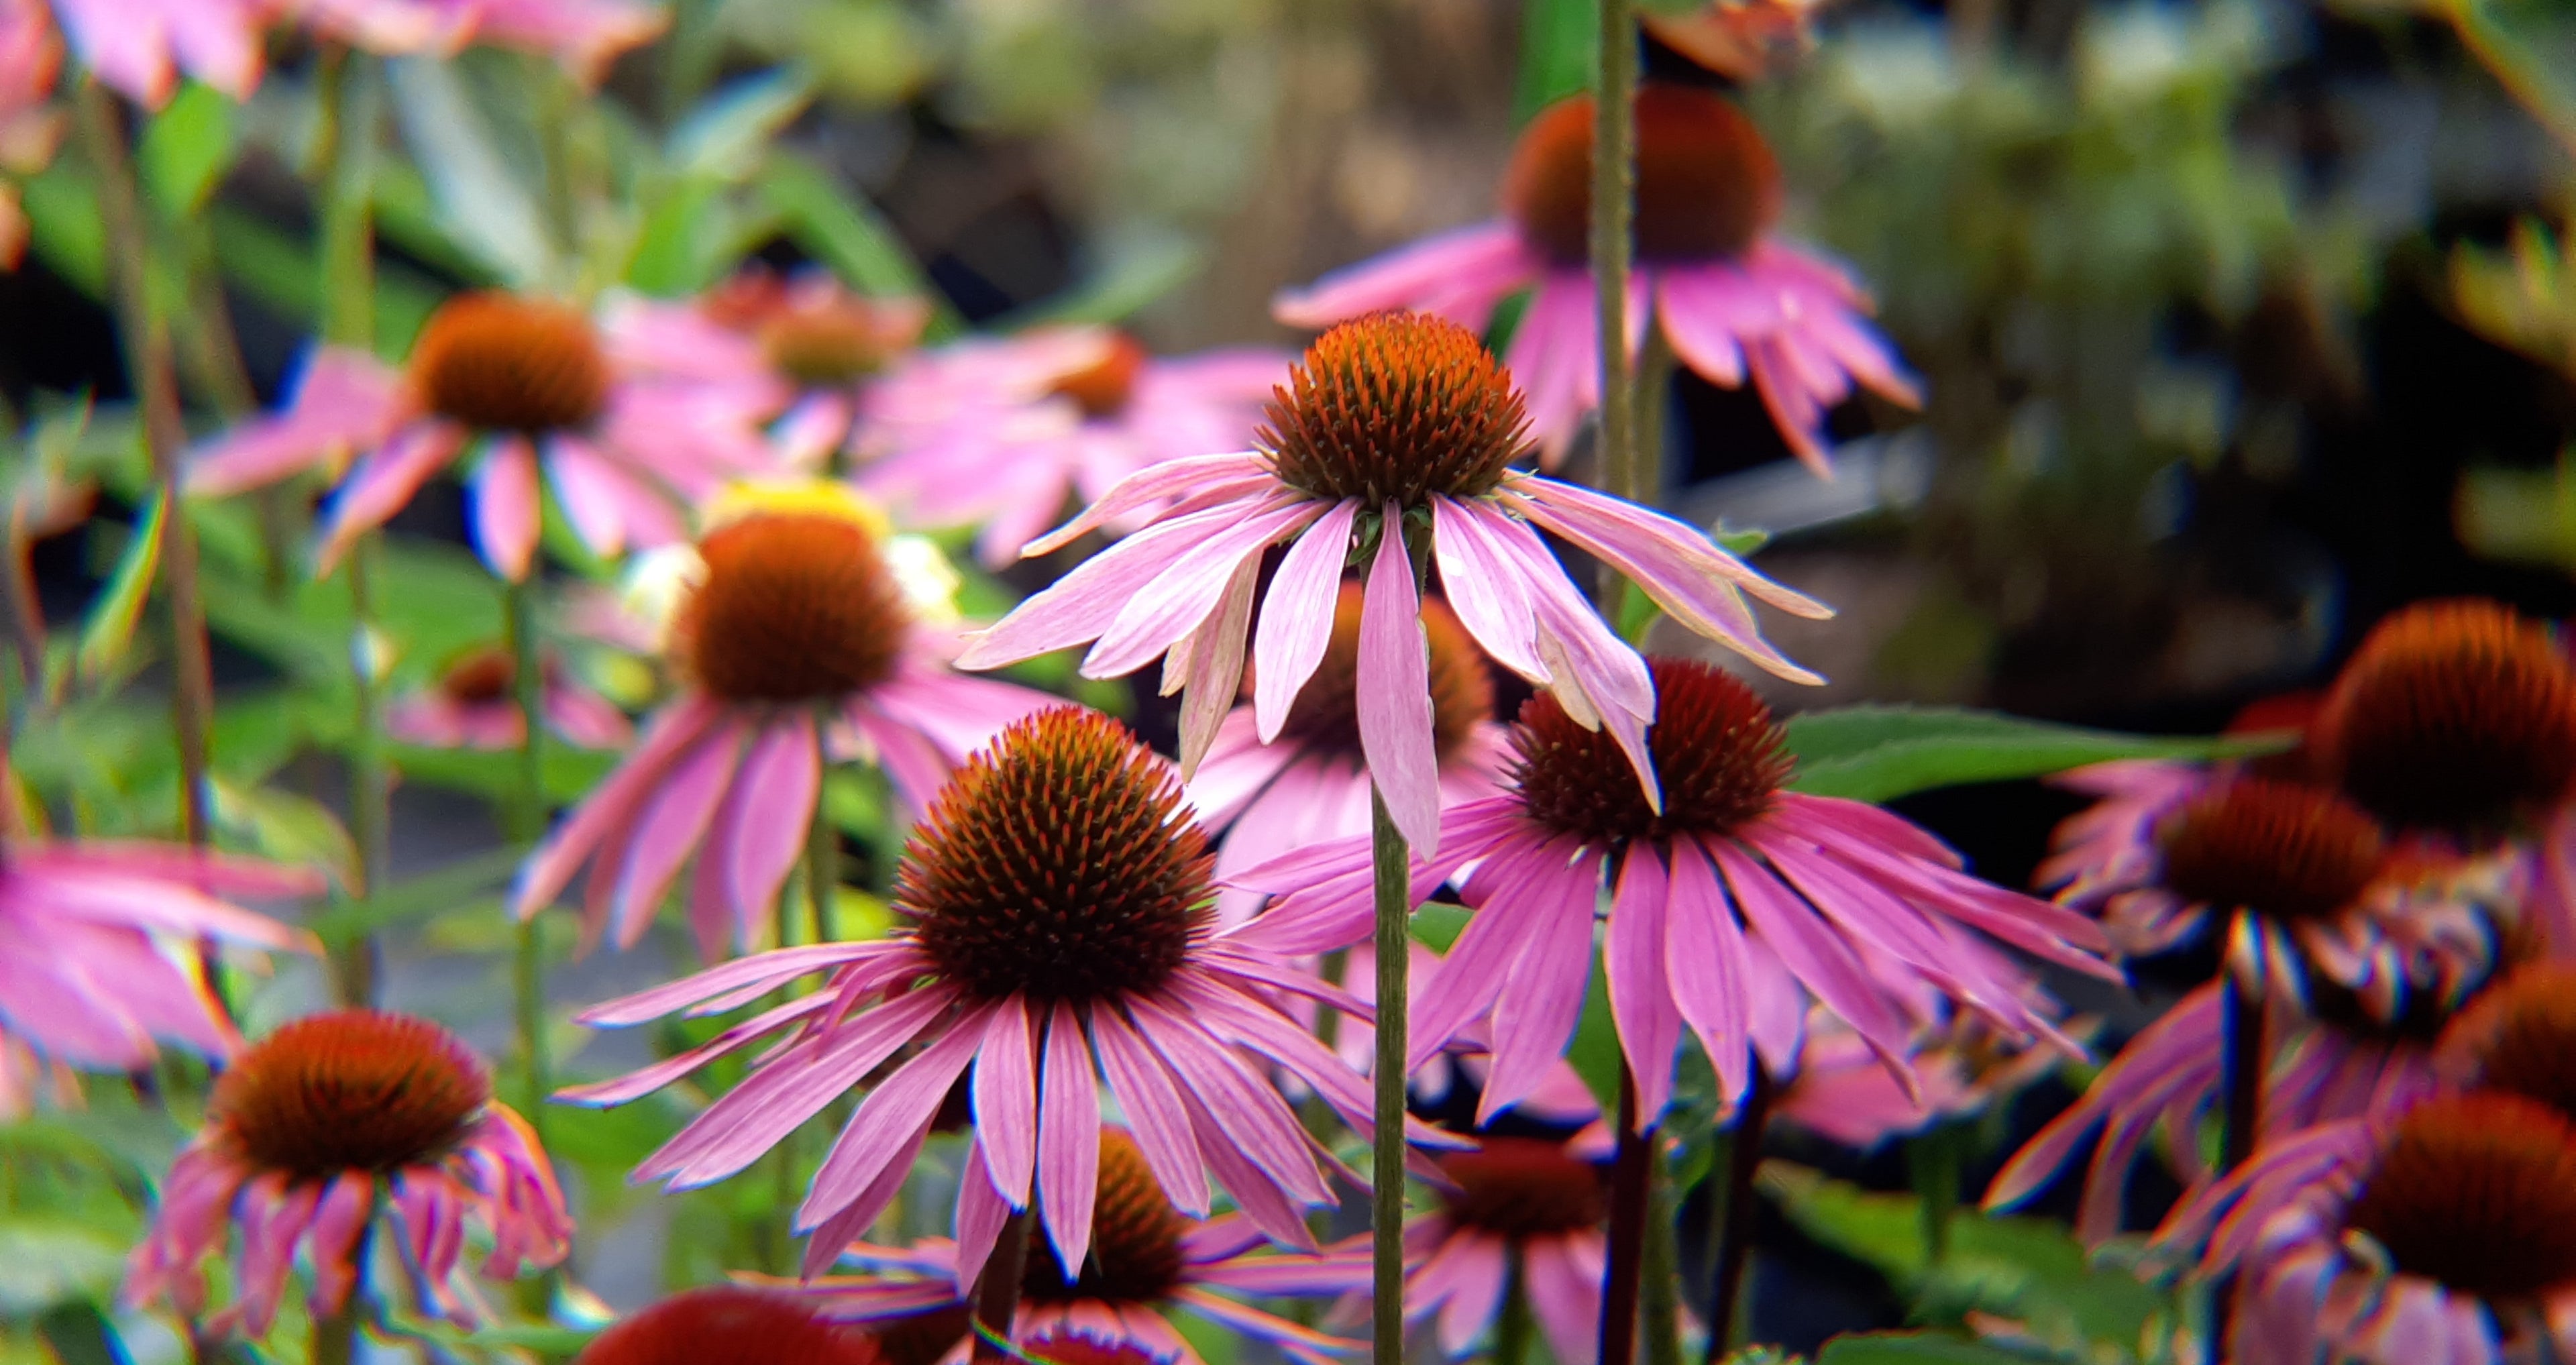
x: 140, y: 48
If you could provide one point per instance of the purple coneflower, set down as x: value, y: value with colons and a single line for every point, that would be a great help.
x: 512, y: 383
x: 314, y: 1128
x: 1396, y: 428
x: 1515, y: 1206
x: 97, y: 960
x: 1311, y: 784
x: 1057, y: 927
x: 474, y: 705
x: 1730, y: 906
x: 1843, y: 1093
x: 140, y: 48
x: 1005, y: 434
x: 2445, y: 1233
x: 1733, y: 301
x: 730, y: 1324
x: 795, y: 634
x: 1146, y: 1260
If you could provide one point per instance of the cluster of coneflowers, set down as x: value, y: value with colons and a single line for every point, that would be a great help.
x: 1132, y: 1004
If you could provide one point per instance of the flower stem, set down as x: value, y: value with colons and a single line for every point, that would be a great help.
x: 370, y: 791
x: 1631, y: 1173
x: 1659, y: 1303
x: 335, y: 1335
x: 1512, y: 1330
x: 1932, y: 1161
x: 997, y: 1293
x: 823, y: 876
x: 153, y: 376
x: 1614, y: 183
x: 525, y: 819
x: 1386, y: 1173
x: 2241, y: 1022
x: 1735, y: 1236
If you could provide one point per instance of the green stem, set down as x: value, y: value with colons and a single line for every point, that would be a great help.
x: 525, y: 819
x: 997, y: 1292
x: 1735, y: 1217
x: 370, y: 787
x: 822, y: 876
x: 1386, y: 1199
x: 1512, y: 1329
x: 1652, y: 404
x: 1614, y: 183
x: 335, y: 1335
x: 1632, y: 1173
x: 1932, y: 1161
x: 352, y: 97
x: 1659, y: 1306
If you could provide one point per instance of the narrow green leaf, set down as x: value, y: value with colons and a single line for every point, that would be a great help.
x: 1126, y: 285
x: 110, y: 628
x: 186, y: 149
x: 724, y: 136
x: 287, y: 828
x: 64, y: 225
x: 421, y: 896
x: 1879, y: 753
x: 482, y: 202
x: 1439, y: 924
x: 1560, y: 46
x: 1913, y: 1348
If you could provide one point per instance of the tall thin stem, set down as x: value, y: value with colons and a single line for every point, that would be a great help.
x: 823, y: 876
x: 1659, y: 1304
x: 2241, y: 1023
x: 1512, y: 1329
x: 1735, y: 1238
x: 997, y: 1294
x: 1614, y: 183
x: 525, y: 819
x: 149, y: 367
x: 1632, y: 1171
x: 1386, y: 1173
x: 335, y: 1334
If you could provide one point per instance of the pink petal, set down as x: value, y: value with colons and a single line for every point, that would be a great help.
x: 503, y: 497
x: 1484, y: 588
x: 898, y: 1109
x: 1215, y: 671
x: 672, y: 828
x: 1297, y: 617
x: 1395, y: 693
x: 1641, y: 995
x: 784, y: 772
x: 1406, y: 277
x: 1068, y: 1137
x: 1705, y: 957
x: 1005, y: 1102
x: 1156, y: 1117
x: 385, y: 481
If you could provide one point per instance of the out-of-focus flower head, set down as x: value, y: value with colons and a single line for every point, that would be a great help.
x: 733, y: 1324
x: 1735, y: 302
x: 1742, y: 40
x: 1008, y: 433
x: 1844, y: 1094
x: 313, y: 1132
x: 515, y: 385
x: 474, y: 704
x: 140, y: 48
x: 583, y: 36
x: 1530, y: 1208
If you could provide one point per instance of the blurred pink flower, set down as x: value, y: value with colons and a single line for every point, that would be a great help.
x: 1734, y: 904
x: 1312, y: 784
x: 584, y: 36
x: 1054, y: 930
x: 795, y: 635
x: 1397, y: 426
x: 2443, y: 1233
x: 1540, y: 1203
x: 307, y: 1132
x: 30, y: 127
x: 1842, y: 1091
x: 1739, y: 39
x: 511, y: 383
x: 1733, y: 300
x: 1147, y: 1261
x: 1008, y: 433
x: 474, y: 705
x: 97, y: 937
x: 140, y: 48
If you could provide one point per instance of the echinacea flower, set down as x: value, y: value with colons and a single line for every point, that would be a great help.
x: 1055, y: 928
x: 98, y: 960
x: 732, y: 1324
x: 474, y: 705
x: 1311, y: 784
x: 1395, y: 430
x: 1843, y: 1093
x: 1515, y: 1205
x: 582, y: 36
x: 2444, y: 1233
x: 321, y: 1127
x: 1741, y: 40
x: 796, y: 636
x: 800, y: 346
x: 140, y: 48
x: 514, y: 384
x: 1007, y: 433
x: 1730, y: 907
x: 1734, y: 300
x: 1146, y: 1260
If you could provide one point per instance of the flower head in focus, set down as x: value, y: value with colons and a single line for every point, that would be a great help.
x: 1146, y: 1260
x: 513, y: 385
x: 474, y: 704
x: 1056, y: 929
x: 1732, y: 904
x: 1735, y: 302
x: 1393, y: 439
x: 310, y: 1133
x: 1008, y: 433
x: 793, y: 637
x: 730, y: 1324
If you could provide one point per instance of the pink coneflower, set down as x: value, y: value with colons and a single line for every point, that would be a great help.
x: 140, y: 48
x: 1007, y: 433
x: 1311, y: 784
x: 308, y: 1131
x: 1733, y: 300
x: 1742, y: 40
x: 1057, y: 927
x: 1522, y: 1206
x: 800, y: 347
x: 1145, y: 1261
x: 513, y: 384
x: 796, y: 634
x: 96, y: 946
x: 728, y: 1324
x: 1395, y: 427
x: 30, y: 127
x: 1842, y: 1091
x: 474, y: 705
x: 583, y: 36
x: 1736, y: 902
x: 2446, y: 1233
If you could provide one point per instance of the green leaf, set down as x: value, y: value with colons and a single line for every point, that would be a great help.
x: 1560, y: 48
x: 420, y: 897
x: 1878, y: 753
x: 846, y: 234
x: 287, y: 828
x: 1129, y: 283
x: 186, y: 150
x: 1913, y: 1348
x: 482, y: 204
x: 1637, y: 613
x: 1439, y: 924
x: 569, y: 773
x: 81, y: 1335
x: 723, y: 138
x: 110, y: 628
x: 279, y: 270
x: 48, y: 1261
x: 65, y: 226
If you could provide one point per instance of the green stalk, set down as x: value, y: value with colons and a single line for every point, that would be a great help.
x: 1659, y: 1306
x: 1632, y: 1175
x: 525, y: 820
x: 1733, y: 1218
x: 1512, y: 1329
x: 1386, y: 1197
x: 822, y: 874
x: 335, y: 1334
x: 997, y: 1291
x: 1932, y: 1164
x: 1614, y: 185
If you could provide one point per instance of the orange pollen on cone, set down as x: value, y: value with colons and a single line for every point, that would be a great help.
x: 352, y: 1090
x: 1524, y: 1187
x: 1707, y: 184
x: 1395, y: 406
x: 2518, y: 1035
x: 1103, y: 387
x: 1135, y: 1238
x: 1714, y: 744
x: 2477, y: 1192
x: 1326, y: 712
x: 793, y: 607
x: 1061, y: 863
x: 2454, y: 716
x: 500, y: 362
x: 2286, y: 851
x: 732, y: 1325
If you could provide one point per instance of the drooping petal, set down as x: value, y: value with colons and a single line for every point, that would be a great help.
x: 1068, y: 1137
x: 1297, y: 617
x: 1394, y: 697
x: 503, y: 497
